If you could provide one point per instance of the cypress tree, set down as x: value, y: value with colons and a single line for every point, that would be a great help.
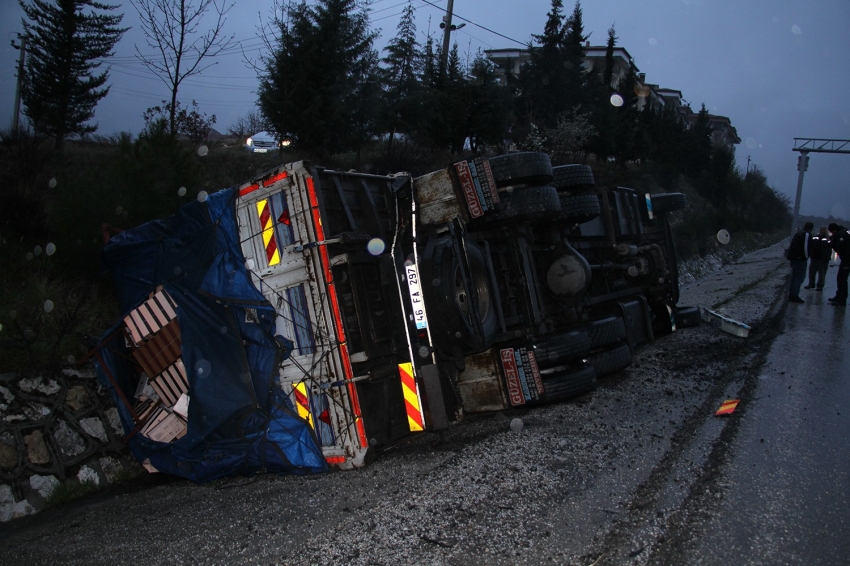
x: 60, y: 86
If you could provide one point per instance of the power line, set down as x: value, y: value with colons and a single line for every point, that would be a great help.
x: 455, y: 15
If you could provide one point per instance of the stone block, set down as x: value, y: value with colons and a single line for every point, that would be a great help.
x: 8, y: 456
x: 94, y: 427
x: 77, y: 398
x: 111, y: 468
x: 37, y: 451
x: 33, y: 384
x: 11, y: 509
x: 114, y: 421
x: 88, y: 475
x: 69, y: 441
x: 44, y: 485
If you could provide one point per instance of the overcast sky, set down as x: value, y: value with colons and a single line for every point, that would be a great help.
x: 779, y: 69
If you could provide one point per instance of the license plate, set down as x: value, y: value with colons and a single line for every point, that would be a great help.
x: 259, y: 150
x: 416, y: 297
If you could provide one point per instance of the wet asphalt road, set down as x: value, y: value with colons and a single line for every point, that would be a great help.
x: 786, y: 487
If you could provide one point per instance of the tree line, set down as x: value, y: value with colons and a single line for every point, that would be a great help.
x: 325, y: 87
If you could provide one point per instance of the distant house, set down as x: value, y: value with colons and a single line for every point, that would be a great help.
x: 722, y: 130
x: 510, y: 61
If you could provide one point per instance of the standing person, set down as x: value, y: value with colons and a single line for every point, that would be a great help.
x: 798, y: 254
x: 820, y: 251
x: 840, y: 242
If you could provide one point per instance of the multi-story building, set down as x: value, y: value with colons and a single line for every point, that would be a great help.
x: 510, y: 61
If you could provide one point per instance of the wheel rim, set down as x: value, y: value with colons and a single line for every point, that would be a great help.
x: 481, y: 290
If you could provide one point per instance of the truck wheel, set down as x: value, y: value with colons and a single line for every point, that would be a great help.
x: 687, y: 317
x: 569, y: 384
x: 572, y: 177
x: 457, y: 310
x: 611, y: 361
x: 606, y: 331
x: 527, y: 168
x: 577, y: 209
x: 668, y: 202
x: 524, y: 204
x: 562, y: 349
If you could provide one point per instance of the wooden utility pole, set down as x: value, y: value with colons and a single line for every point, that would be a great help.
x: 23, y: 48
x: 447, y: 32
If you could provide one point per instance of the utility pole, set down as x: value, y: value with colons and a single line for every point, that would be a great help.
x: 447, y: 32
x: 23, y: 48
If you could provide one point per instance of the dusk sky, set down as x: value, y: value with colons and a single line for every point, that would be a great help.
x: 778, y: 69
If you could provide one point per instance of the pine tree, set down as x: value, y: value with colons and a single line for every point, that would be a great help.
x: 575, y: 53
x: 541, y: 81
x: 319, y: 85
x: 400, y: 78
x: 489, y: 113
x: 60, y: 86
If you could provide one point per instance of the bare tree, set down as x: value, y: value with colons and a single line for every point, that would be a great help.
x: 172, y: 29
x: 248, y: 125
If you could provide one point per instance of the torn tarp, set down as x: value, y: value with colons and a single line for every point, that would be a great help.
x: 239, y: 420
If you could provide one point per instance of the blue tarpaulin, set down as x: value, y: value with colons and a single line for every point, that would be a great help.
x: 239, y: 420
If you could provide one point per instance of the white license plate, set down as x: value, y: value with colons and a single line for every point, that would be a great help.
x: 416, y: 297
x: 259, y: 150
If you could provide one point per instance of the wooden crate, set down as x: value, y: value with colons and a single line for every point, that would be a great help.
x: 171, y: 383
x: 164, y: 426
x: 151, y: 316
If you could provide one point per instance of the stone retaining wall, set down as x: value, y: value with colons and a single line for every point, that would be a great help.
x: 60, y: 430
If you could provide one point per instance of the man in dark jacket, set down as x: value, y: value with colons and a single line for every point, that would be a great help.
x: 819, y: 253
x: 798, y: 254
x: 840, y: 242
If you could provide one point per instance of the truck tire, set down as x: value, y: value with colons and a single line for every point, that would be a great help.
x: 527, y: 168
x: 611, y: 361
x: 577, y: 209
x: 668, y: 202
x: 524, y: 204
x: 606, y: 331
x: 572, y: 177
x: 562, y: 349
x: 687, y: 317
x: 570, y: 384
x: 455, y: 307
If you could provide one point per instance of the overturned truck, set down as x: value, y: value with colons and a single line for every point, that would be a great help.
x: 402, y: 303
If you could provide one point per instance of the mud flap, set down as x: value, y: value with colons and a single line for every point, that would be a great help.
x: 434, y: 394
x: 638, y: 321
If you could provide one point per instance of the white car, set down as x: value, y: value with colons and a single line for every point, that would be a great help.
x: 264, y: 142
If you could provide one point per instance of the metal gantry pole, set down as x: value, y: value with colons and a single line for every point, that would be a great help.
x: 813, y: 145
x: 802, y: 165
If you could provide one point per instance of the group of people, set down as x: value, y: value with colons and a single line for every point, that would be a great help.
x: 816, y: 251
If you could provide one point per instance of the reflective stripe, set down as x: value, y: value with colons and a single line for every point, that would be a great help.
x: 302, y: 402
x: 267, y: 226
x: 728, y: 407
x: 412, y: 405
